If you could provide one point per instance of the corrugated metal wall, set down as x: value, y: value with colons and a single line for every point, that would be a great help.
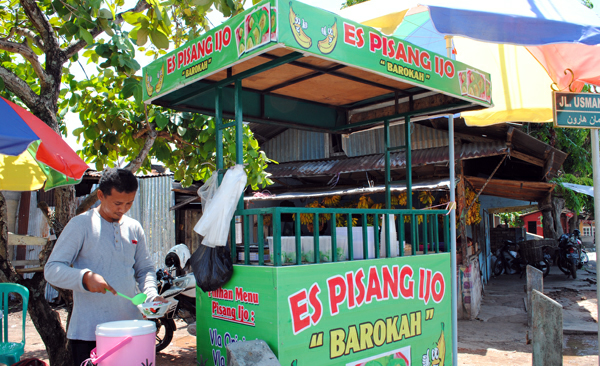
x: 371, y: 141
x: 151, y: 208
x: 295, y: 145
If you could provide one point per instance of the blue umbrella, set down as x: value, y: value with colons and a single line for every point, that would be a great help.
x: 520, y: 22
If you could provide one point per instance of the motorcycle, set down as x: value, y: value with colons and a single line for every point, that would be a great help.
x: 507, y: 259
x: 571, y: 254
x: 510, y: 259
x: 176, y: 282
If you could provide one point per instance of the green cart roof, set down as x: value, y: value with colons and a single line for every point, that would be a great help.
x: 307, y: 68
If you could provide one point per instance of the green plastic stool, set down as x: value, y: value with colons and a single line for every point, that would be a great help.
x: 11, y: 352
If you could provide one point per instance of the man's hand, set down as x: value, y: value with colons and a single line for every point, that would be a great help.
x: 160, y: 298
x: 93, y: 282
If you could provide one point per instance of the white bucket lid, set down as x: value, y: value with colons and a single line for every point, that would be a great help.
x: 125, y: 328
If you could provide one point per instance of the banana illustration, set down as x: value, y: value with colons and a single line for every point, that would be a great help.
x: 331, y: 35
x: 441, y: 347
x: 161, y: 78
x: 297, y: 24
x: 149, y: 87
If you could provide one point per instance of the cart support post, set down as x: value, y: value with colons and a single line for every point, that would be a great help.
x: 219, y: 130
x: 239, y: 132
x: 453, y: 272
x: 408, y: 145
x: 388, y: 180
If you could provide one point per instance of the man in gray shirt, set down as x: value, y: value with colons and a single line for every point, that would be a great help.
x: 101, y: 251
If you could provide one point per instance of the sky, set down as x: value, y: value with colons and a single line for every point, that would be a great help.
x: 215, y: 17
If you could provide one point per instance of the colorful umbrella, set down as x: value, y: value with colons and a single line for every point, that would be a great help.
x: 32, y: 154
x: 516, y: 76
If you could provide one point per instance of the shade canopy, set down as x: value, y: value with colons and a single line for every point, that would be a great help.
x: 310, y: 69
x: 32, y: 154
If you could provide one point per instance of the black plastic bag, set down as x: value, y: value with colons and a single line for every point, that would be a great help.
x: 212, y: 267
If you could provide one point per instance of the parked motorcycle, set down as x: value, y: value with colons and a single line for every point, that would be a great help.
x: 571, y: 255
x: 511, y: 258
x: 507, y: 259
x: 178, y: 282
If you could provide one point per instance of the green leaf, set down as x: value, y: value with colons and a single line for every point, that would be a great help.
x: 142, y: 36
x: 105, y: 14
x: 134, y: 18
x: 128, y: 90
x: 159, y: 39
x: 161, y: 120
x: 1, y: 84
x: 86, y: 35
x: 181, y: 131
x: 202, y: 2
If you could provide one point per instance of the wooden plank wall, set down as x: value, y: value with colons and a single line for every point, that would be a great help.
x: 185, y: 222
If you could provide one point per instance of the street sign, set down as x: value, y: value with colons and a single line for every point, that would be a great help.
x: 576, y: 110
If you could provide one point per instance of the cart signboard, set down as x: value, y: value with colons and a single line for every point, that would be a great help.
x: 314, y: 32
x: 576, y: 110
x: 387, y: 312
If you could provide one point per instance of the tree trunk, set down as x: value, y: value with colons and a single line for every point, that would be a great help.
x: 557, y: 206
x: 547, y: 219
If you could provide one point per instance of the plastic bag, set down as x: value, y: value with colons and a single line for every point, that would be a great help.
x: 219, y: 204
x: 212, y: 267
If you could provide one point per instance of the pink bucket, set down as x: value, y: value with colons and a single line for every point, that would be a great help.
x: 127, y: 342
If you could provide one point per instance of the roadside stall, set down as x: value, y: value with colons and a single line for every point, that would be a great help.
x: 328, y: 299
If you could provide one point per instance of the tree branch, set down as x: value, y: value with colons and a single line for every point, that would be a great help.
x: 40, y: 22
x: 175, y: 138
x: 136, y: 163
x: 18, y: 86
x: 79, y: 45
x: 28, y: 54
x: 29, y: 34
x: 133, y: 166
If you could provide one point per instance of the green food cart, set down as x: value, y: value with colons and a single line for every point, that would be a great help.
x: 289, y: 64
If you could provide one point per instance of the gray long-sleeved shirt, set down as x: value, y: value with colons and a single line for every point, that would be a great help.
x: 116, y: 251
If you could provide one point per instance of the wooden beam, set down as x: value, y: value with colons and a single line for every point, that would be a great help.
x: 527, y: 158
x: 477, y: 181
x: 509, y: 135
x: 30, y: 270
x: 26, y: 262
x: 436, y: 100
x: 14, y: 239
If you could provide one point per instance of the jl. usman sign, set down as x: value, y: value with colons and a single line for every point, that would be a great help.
x: 314, y: 32
x: 576, y: 110
x: 380, y: 312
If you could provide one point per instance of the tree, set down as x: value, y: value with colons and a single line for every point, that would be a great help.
x: 41, y: 42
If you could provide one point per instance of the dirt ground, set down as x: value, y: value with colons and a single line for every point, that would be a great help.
x: 498, y: 337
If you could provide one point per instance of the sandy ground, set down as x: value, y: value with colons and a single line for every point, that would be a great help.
x: 499, y: 336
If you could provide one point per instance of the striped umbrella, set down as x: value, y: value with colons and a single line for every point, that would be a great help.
x: 32, y: 155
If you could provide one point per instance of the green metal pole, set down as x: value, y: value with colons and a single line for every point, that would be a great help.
x: 316, y: 246
x: 261, y: 241
x: 408, y: 145
x: 277, y: 237
x: 239, y: 132
x: 219, y: 130
x: 388, y: 179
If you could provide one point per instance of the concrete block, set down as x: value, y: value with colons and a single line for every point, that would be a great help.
x: 250, y: 353
x: 547, y: 330
x: 535, y: 281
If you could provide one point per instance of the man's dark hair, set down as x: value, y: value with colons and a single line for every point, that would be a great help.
x: 122, y: 180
